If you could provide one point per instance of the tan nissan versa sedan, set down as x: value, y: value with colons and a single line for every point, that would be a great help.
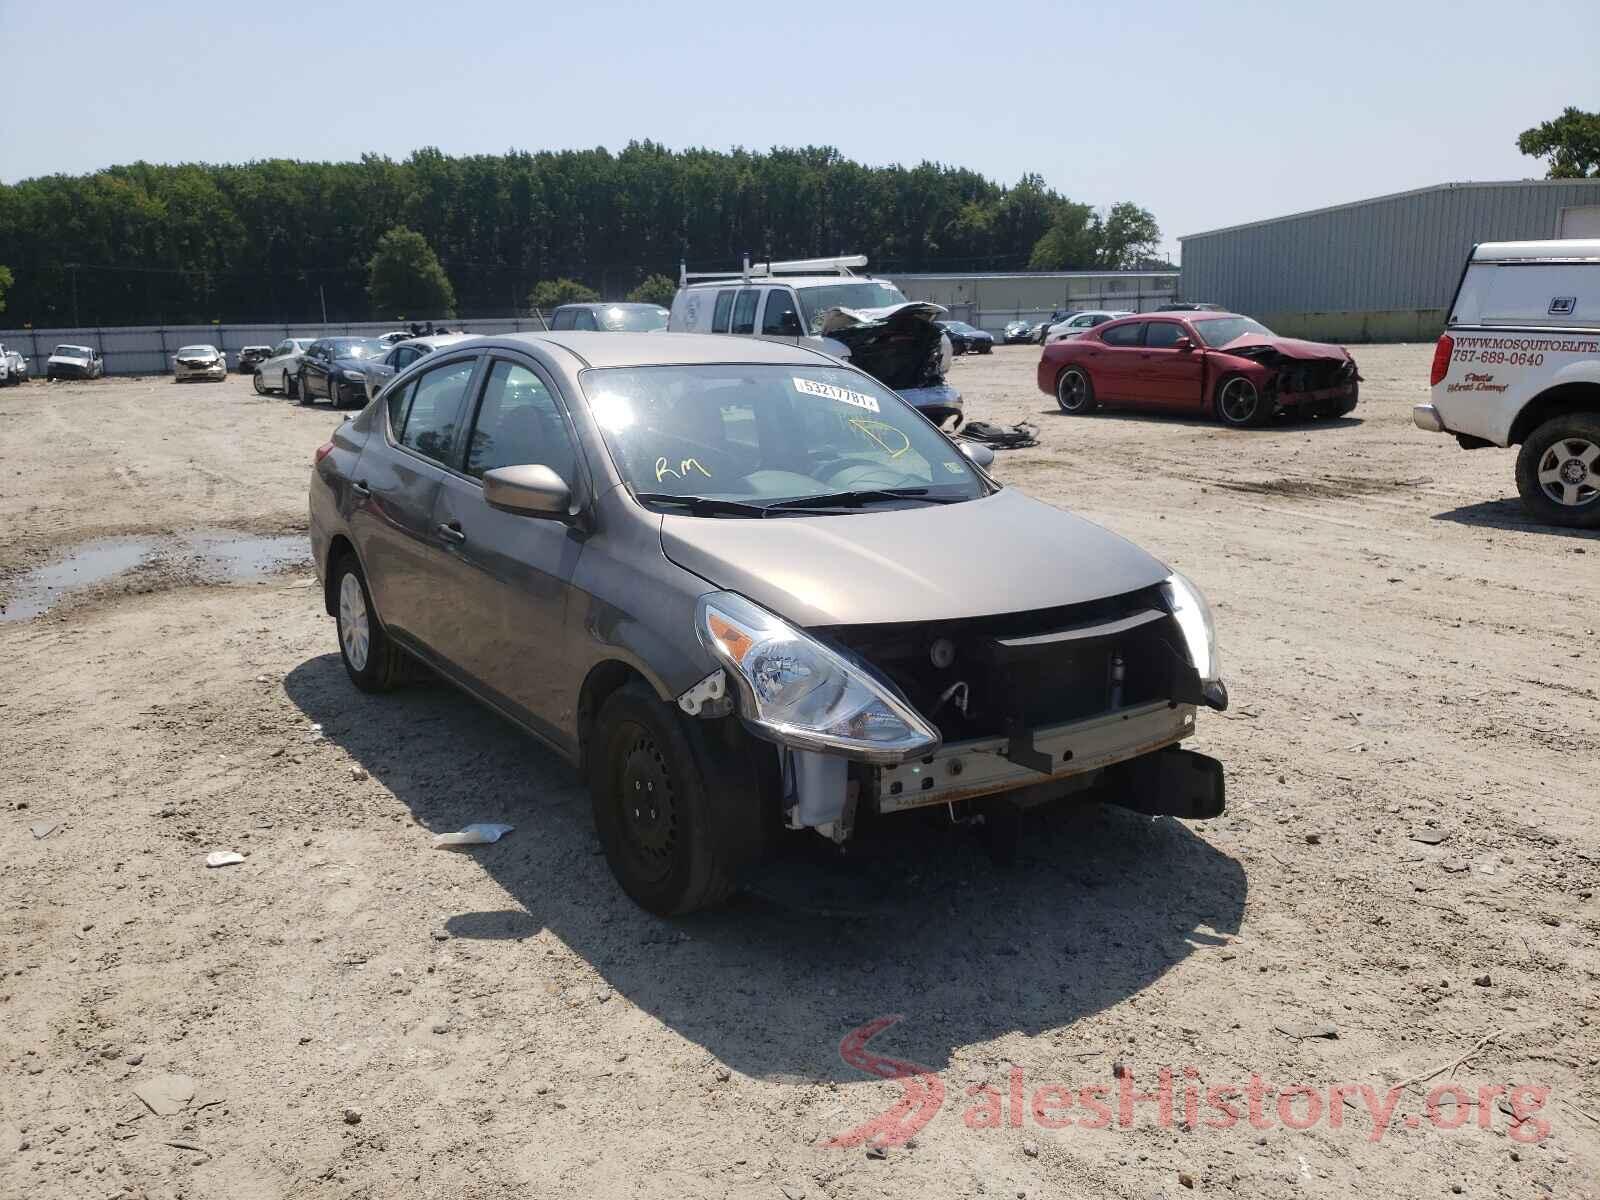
x: 735, y: 582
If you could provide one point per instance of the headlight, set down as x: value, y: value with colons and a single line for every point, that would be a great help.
x: 1193, y: 614
x: 355, y: 376
x: 803, y: 694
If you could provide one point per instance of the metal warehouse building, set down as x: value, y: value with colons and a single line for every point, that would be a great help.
x: 1377, y: 270
x: 990, y: 300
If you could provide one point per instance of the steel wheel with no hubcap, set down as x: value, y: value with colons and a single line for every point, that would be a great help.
x: 355, y: 631
x: 649, y: 807
x: 1569, y: 472
x: 1238, y: 403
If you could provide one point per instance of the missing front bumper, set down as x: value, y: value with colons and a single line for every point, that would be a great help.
x: 981, y: 767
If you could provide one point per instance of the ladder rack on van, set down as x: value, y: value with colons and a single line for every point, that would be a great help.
x: 844, y: 264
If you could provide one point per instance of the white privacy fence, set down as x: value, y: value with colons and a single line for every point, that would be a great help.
x: 148, y: 350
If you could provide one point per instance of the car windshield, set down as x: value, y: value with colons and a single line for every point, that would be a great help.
x: 358, y: 347
x: 71, y: 352
x: 864, y: 293
x: 197, y: 350
x: 632, y: 320
x: 757, y: 435
x: 961, y: 327
x: 1222, y: 330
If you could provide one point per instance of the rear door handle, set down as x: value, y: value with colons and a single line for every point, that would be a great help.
x: 360, y: 488
x: 451, y: 532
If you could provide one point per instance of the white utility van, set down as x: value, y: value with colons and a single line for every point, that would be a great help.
x: 823, y: 304
x: 1519, y: 365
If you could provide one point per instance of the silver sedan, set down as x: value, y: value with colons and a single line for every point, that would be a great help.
x: 280, y: 371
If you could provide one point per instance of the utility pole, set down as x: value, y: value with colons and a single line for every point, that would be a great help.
x: 73, y: 267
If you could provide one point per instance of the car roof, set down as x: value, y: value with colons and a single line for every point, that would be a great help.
x: 599, y: 349
x: 591, y: 304
x: 434, y: 340
x: 1563, y: 249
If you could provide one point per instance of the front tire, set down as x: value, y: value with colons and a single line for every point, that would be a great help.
x: 373, y: 662
x: 657, y: 790
x: 1074, y: 392
x: 1239, y: 404
x: 291, y: 386
x: 261, y: 384
x: 1558, y: 471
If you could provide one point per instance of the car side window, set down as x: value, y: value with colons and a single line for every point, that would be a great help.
x: 1162, y: 335
x: 1097, y: 319
x: 780, y: 317
x: 584, y: 319
x: 744, y: 310
x: 519, y: 423
x: 562, y: 319
x: 438, y: 402
x: 1123, y: 335
x: 283, y: 348
x: 719, y: 318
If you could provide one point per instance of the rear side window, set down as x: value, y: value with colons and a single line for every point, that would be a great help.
x: 724, y: 309
x: 1162, y: 335
x: 438, y: 401
x: 519, y: 423
x: 1123, y: 335
x: 744, y: 310
x: 584, y: 319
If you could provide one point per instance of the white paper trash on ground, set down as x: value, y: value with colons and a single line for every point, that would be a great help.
x: 480, y: 833
x: 223, y: 858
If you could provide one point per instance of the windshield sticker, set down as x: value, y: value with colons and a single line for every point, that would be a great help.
x: 809, y: 387
x: 954, y: 468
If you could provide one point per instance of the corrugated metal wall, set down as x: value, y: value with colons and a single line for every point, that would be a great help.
x: 1389, y: 255
x: 990, y: 301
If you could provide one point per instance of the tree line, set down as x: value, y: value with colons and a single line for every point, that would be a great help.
x: 282, y: 240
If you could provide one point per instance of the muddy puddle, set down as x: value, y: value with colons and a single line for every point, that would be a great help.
x: 198, y: 556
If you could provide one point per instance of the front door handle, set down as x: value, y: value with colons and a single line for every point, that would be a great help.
x: 360, y: 488
x: 451, y: 532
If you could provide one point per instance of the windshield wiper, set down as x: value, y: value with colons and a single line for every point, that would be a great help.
x: 869, y: 496
x: 704, y: 504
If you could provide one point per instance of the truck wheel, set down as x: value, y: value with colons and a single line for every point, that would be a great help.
x: 1074, y: 392
x: 654, y: 805
x: 373, y: 662
x: 1558, y: 471
x: 1239, y: 404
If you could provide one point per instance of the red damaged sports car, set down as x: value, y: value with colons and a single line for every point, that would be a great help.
x: 1199, y: 363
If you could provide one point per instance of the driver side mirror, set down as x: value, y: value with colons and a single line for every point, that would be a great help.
x: 978, y: 453
x: 1183, y: 343
x: 530, y: 491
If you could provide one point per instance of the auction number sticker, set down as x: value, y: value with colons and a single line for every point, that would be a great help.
x: 810, y: 387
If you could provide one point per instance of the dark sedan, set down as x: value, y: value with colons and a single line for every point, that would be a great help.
x: 967, y: 339
x: 334, y: 369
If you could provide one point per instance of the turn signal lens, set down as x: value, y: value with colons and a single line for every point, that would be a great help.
x: 1441, y: 360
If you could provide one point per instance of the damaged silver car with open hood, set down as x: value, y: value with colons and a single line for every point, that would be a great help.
x: 823, y: 304
x: 754, y: 595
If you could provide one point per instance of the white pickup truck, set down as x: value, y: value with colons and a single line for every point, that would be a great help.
x: 1519, y: 365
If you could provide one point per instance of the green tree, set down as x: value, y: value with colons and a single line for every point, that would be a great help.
x: 1129, y: 236
x: 656, y: 289
x: 552, y: 293
x: 405, y: 278
x: 1071, y: 243
x: 1571, y: 143
x: 6, y: 281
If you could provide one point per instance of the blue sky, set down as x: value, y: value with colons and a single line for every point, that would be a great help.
x: 1208, y: 113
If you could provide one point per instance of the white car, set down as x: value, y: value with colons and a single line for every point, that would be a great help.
x: 13, y: 367
x: 1519, y: 365
x: 281, y: 372
x: 74, y: 362
x: 199, y: 362
x: 1080, y: 323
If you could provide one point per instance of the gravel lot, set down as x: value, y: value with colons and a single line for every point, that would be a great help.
x: 1410, y: 856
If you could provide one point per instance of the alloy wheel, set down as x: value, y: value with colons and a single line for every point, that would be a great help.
x: 1238, y: 401
x: 1569, y: 472
x: 1072, y: 392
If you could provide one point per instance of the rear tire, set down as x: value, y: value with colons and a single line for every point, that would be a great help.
x: 668, y: 805
x: 291, y: 386
x: 373, y: 662
x: 1558, y: 471
x: 1074, y: 392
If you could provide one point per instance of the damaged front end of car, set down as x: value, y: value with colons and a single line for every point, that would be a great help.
x: 1306, y: 377
x: 903, y: 348
x: 1016, y: 709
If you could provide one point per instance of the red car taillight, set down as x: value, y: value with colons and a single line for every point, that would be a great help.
x: 322, y: 452
x: 1441, y: 360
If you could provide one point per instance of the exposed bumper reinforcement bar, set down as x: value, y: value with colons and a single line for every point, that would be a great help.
x: 964, y: 770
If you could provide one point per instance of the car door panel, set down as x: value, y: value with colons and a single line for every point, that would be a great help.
x: 1169, y: 378
x: 1115, y: 367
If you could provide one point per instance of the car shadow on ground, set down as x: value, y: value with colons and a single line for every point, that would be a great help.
x: 1204, y: 422
x: 1508, y: 514
x: 1100, y: 903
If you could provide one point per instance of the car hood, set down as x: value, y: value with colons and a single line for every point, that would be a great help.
x: 356, y: 364
x: 1004, y: 553
x: 835, y: 319
x: 1255, y: 345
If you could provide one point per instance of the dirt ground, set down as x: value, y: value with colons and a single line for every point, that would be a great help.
x: 1402, y: 890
